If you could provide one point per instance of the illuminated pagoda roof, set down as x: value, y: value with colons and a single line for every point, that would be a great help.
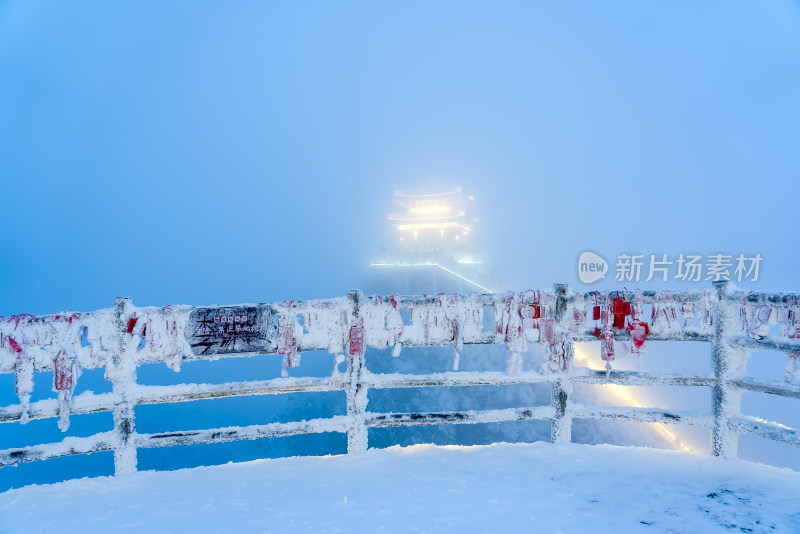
x: 432, y: 222
x: 430, y: 252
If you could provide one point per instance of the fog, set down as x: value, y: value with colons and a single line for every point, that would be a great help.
x: 201, y: 153
x: 197, y: 154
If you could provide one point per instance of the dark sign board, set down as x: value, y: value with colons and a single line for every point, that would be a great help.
x: 231, y: 329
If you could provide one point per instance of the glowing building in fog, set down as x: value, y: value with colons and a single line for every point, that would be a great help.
x: 430, y: 249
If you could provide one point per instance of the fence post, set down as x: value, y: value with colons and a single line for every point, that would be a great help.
x: 356, y: 391
x: 726, y: 363
x: 122, y: 373
x: 561, y: 425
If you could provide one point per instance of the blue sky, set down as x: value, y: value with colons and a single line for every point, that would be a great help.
x: 209, y: 152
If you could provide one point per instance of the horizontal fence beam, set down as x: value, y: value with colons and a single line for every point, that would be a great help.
x: 589, y: 376
x: 633, y: 378
x: 84, y: 403
x: 757, y: 385
x: 105, y: 441
x: 641, y: 297
x: 379, y: 420
x: 305, y: 348
x: 776, y: 344
x: 688, y: 333
x: 641, y: 415
x: 452, y: 378
x: 87, y: 403
x: 337, y: 423
x: 766, y: 429
x: 192, y: 392
x: 757, y: 298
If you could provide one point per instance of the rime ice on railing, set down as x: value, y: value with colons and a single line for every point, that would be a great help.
x: 124, y: 337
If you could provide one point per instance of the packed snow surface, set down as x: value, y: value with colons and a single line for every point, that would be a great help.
x: 537, y: 487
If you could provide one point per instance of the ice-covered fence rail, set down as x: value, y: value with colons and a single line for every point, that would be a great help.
x: 121, y: 338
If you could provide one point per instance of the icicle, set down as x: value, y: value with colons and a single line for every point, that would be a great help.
x: 558, y: 344
x: 579, y: 313
x: 638, y: 328
x: 18, y: 336
x: 394, y: 324
x: 665, y: 316
x: 763, y: 319
x: 531, y: 313
x: 688, y: 310
x: 336, y: 376
x: 375, y: 331
x: 458, y: 343
x: 705, y: 315
x: 501, y: 317
x: 418, y: 331
x: 332, y: 322
x: 637, y: 312
x: 470, y: 313
x: 287, y: 343
x: 546, y: 323
x: 772, y: 317
x: 173, y: 343
x: 792, y: 368
x: 792, y: 322
x: 23, y: 370
x: 516, y: 343
x: 65, y: 375
x: 607, y: 349
x: 448, y: 327
x: 784, y: 317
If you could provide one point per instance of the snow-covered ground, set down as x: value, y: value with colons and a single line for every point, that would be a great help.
x: 496, y: 488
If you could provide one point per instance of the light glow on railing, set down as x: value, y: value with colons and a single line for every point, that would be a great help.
x: 626, y: 395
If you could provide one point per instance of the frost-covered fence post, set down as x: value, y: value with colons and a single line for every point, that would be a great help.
x: 356, y: 391
x: 561, y: 426
x: 727, y: 361
x: 122, y: 373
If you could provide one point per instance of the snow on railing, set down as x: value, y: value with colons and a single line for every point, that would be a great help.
x: 122, y: 338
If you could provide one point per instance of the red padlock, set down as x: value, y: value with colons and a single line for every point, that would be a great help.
x: 638, y: 335
x: 14, y: 345
x: 357, y: 339
x: 287, y: 344
x: 132, y: 324
x: 619, y: 306
x: 596, y: 309
x: 619, y: 321
x: 607, y: 347
x: 546, y: 333
x: 537, y: 309
x: 627, y: 308
x: 531, y: 311
x: 63, y: 373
